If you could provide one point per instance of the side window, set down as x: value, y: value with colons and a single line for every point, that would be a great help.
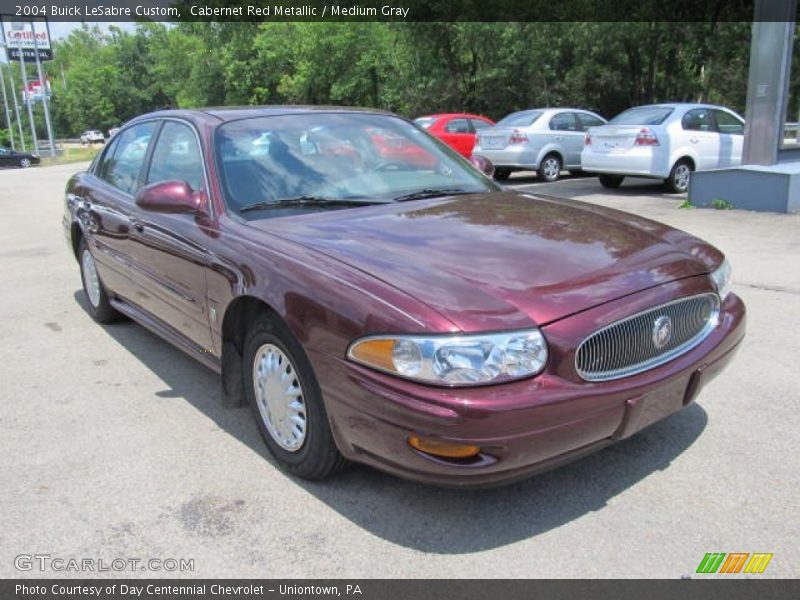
x: 176, y: 156
x: 478, y: 124
x: 4, y: 152
x: 104, y: 159
x: 587, y: 120
x: 458, y: 126
x: 563, y: 122
x: 123, y: 168
x: 698, y: 119
x: 727, y: 123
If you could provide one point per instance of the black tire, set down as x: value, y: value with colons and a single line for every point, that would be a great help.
x: 317, y: 457
x: 611, y: 182
x: 24, y: 162
x: 550, y: 168
x: 501, y: 174
x: 678, y: 180
x: 99, y: 306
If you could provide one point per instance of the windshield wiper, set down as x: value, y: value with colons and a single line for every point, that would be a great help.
x: 304, y: 201
x: 431, y: 193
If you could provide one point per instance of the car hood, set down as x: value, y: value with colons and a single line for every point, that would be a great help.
x: 502, y: 260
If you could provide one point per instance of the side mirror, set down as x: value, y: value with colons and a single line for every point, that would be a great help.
x: 172, y: 197
x: 483, y: 164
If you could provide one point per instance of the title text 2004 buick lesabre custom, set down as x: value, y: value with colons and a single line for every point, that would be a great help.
x: 408, y: 315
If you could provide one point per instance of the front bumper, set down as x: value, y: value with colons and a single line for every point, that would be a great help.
x: 522, y: 427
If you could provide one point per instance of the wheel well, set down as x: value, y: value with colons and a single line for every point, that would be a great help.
x: 240, y: 312
x: 77, y: 235
x: 552, y: 152
x: 688, y: 159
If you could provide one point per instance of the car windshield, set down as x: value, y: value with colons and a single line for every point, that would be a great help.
x: 643, y: 115
x: 425, y: 122
x: 319, y: 161
x: 520, y: 119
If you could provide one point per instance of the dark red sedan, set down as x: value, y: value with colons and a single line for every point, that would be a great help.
x: 457, y: 130
x: 413, y: 317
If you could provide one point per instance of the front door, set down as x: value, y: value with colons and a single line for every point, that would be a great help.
x: 169, y: 249
x: 731, y: 138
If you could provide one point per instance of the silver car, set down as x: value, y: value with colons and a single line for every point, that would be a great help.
x: 664, y: 141
x: 545, y: 140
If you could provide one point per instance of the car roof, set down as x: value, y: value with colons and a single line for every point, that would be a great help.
x: 234, y: 113
x: 687, y: 105
x: 455, y: 114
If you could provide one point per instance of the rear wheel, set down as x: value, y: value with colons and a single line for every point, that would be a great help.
x: 678, y: 180
x: 550, y: 168
x: 25, y: 162
x: 501, y: 174
x: 611, y: 181
x: 287, y: 402
x: 99, y: 306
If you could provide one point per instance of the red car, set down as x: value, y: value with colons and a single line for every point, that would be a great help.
x: 420, y: 320
x: 457, y: 130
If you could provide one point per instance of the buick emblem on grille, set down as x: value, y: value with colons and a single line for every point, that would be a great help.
x: 662, y: 331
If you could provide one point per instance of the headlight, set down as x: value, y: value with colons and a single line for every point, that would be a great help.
x: 455, y: 359
x: 722, y: 279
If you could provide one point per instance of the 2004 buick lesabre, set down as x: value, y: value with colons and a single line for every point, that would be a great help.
x: 404, y: 313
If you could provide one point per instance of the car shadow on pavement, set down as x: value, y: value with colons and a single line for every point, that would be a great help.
x: 427, y: 518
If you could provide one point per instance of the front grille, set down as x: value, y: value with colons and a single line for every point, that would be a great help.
x: 640, y: 342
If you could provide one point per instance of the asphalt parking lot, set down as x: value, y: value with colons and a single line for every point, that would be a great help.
x: 113, y: 444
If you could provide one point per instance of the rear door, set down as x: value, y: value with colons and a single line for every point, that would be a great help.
x: 567, y: 134
x: 107, y: 204
x: 700, y: 132
x: 169, y: 249
x: 731, y: 138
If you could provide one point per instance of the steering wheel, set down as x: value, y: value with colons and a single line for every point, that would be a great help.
x: 390, y: 165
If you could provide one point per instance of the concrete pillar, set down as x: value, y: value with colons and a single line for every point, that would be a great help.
x: 768, y: 84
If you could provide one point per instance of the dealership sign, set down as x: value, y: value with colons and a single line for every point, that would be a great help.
x: 19, y: 38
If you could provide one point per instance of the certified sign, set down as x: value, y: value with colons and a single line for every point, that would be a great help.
x: 18, y: 37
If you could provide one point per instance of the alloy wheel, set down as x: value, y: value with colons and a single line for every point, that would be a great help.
x: 681, y: 177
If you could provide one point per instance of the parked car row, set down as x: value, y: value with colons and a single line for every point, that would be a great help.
x: 662, y: 141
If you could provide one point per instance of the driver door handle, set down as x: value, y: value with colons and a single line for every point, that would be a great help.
x: 137, y: 225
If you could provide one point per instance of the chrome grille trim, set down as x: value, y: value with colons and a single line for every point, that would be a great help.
x: 626, y: 347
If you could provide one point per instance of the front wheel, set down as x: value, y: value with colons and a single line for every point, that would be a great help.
x: 678, y: 180
x: 99, y: 306
x: 550, y: 168
x: 287, y: 402
x: 610, y: 181
x: 501, y: 174
x: 25, y: 163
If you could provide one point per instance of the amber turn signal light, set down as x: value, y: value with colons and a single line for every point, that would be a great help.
x: 444, y: 449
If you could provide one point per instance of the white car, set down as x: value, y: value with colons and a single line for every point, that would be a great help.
x: 92, y: 136
x: 545, y: 140
x: 664, y: 141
